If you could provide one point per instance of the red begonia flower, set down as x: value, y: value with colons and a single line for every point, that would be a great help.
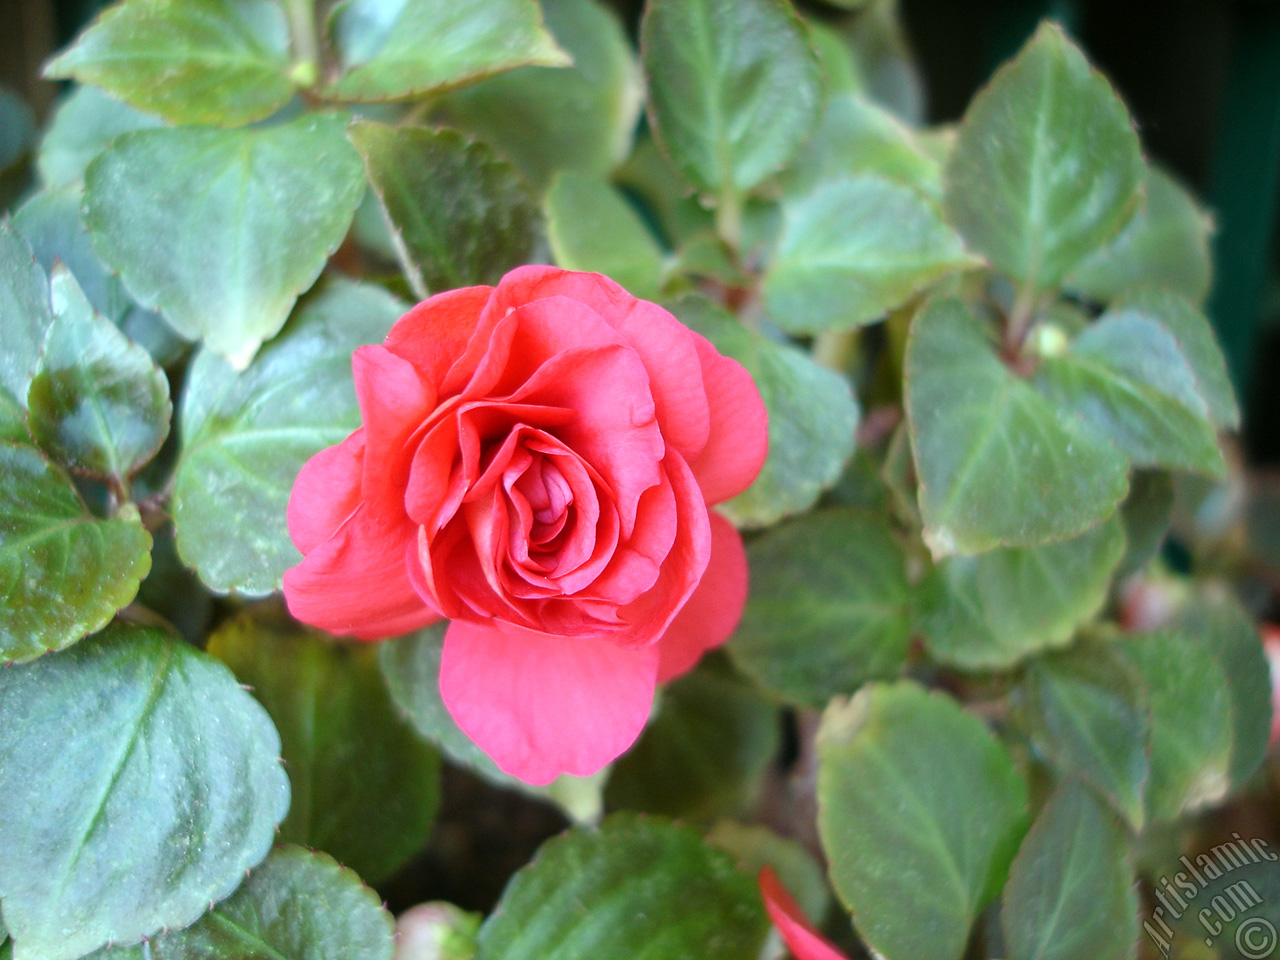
x: 536, y: 463
x: 804, y: 942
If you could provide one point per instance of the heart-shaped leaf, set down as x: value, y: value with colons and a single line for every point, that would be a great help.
x: 853, y: 249
x: 395, y: 49
x: 1126, y: 376
x: 1071, y: 890
x: 51, y: 222
x: 827, y: 610
x: 579, y: 117
x: 998, y: 464
x: 25, y: 315
x: 920, y: 810
x: 222, y: 62
x: 459, y: 215
x: 222, y: 229
x: 1047, y: 167
x: 297, y: 903
x: 992, y: 610
x: 854, y: 137
x: 734, y: 88
x: 247, y: 435
x: 138, y: 783
x: 66, y: 571
x: 1086, y: 712
x: 1166, y: 245
x: 581, y: 210
x: 98, y: 403
x: 84, y: 124
x: 639, y: 881
x: 365, y: 788
x: 704, y: 753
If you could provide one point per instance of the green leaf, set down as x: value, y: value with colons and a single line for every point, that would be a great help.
x: 1127, y: 378
x: 65, y: 572
x: 50, y: 220
x: 544, y: 119
x: 1198, y: 345
x: 754, y: 847
x: 827, y: 609
x: 703, y: 754
x: 297, y: 903
x: 365, y: 788
x: 1085, y: 711
x: 222, y: 229
x: 854, y: 249
x: 247, y: 435
x: 992, y: 610
x: 1047, y: 166
x: 17, y: 129
x: 1071, y: 889
x: 919, y: 810
x: 734, y: 88
x: 1190, y: 704
x: 98, y: 403
x: 25, y: 316
x: 841, y: 69
x: 856, y: 136
x: 1146, y: 514
x: 395, y: 49
x: 83, y: 126
x: 138, y: 783
x: 650, y: 175
x: 582, y: 210
x: 459, y: 215
x: 813, y: 417
x: 1165, y: 245
x: 1223, y: 627
x: 411, y: 668
x: 222, y: 62
x: 998, y: 464
x: 636, y: 882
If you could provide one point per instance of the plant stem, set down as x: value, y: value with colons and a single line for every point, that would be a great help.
x: 729, y: 219
x: 304, y: 36
x: 835, y: 349
x: 1018, y: 324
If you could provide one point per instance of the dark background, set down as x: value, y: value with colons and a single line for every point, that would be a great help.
x: 1202, y: 78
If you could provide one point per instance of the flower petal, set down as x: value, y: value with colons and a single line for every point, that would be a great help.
x: 739, y: 438
x: 325, y: 493
x: 712, y: 613
x: 804, y: 942
x: 540, y: 705
x: 357, y: 582
x: 435, y: 333
x: 648, y: 617
x: 666, y: 346
x: 394, y: 400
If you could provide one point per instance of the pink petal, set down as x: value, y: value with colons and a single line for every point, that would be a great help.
x: 357, y: 582
x: 395, y: 399
x: 804, y: 942
x: 325, y: 493
x: 649, y: 616
x: 739, y: 438
x: 614, y: 430
x: 541, y: 706
x: 712, y: 613
x: 666, y: 346
x: 435, y: 333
